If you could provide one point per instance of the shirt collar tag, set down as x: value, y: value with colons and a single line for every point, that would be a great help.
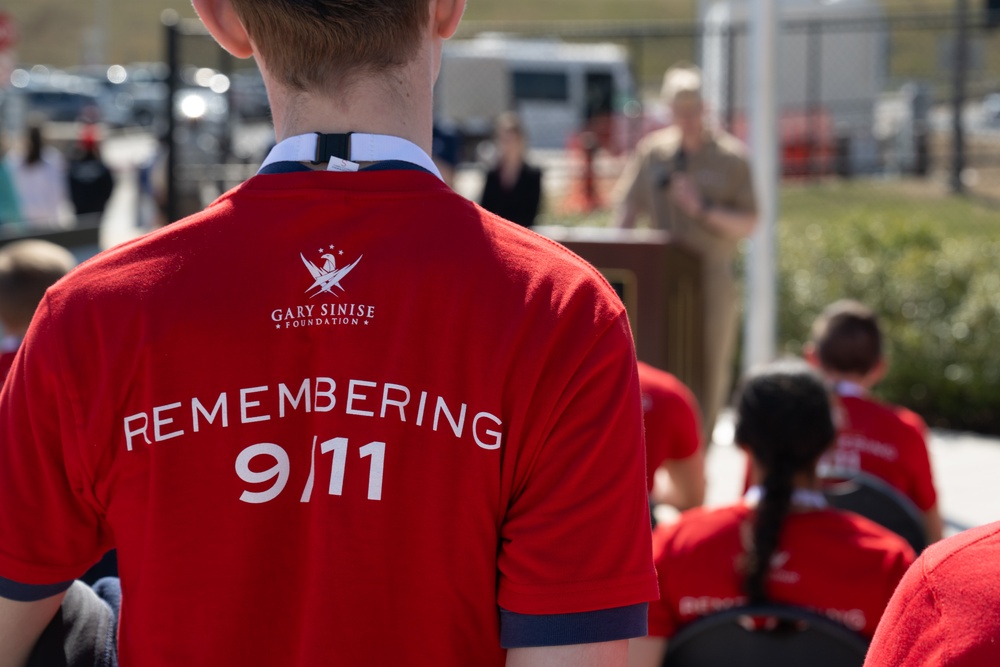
x: 363, y: 148
x: 340, y: 164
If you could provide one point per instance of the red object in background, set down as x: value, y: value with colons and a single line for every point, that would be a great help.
x: 808, y: 142
x: 8, y: 32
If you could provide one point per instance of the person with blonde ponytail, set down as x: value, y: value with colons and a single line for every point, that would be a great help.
x: 781, y: 543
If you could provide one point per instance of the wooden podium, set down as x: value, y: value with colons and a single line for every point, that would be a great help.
x: 660, y: 284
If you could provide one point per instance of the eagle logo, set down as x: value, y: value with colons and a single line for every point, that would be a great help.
x: 327, y: 277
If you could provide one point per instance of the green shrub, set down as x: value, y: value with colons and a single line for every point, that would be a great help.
x: 928, y: 267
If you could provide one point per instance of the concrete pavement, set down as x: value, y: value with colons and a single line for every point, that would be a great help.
x: 965, y: 467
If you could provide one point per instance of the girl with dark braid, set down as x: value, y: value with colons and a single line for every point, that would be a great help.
x: 781, y: 543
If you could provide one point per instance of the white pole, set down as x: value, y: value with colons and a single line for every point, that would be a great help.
x: 761, y: 310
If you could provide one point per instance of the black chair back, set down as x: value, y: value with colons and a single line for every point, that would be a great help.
x: 766, y: 636
x: 877, y: 500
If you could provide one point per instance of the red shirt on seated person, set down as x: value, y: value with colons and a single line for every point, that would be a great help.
x: 675, y: 460
x: 886, y: 441
x: 782, y: 543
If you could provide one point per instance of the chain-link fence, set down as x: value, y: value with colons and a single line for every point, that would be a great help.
x: 860, y: 94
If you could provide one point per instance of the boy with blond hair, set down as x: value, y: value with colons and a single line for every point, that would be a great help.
x: 343, y: 416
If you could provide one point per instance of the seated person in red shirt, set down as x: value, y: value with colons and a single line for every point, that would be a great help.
x: 882, y: 440
x: 27, y: 269
x: 675, y: 460
x: 782, y: 543
x: 946, y: 610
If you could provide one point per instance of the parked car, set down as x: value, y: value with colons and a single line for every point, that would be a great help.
x: 61, y: 97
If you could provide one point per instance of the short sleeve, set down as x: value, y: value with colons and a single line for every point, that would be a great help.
x: 576, y: 535
x: 920, y: 474
x: 912, y: 629
x: 56, y: 532
x: 662, y: 621
x: 922, y: 489
x: 673, y: 428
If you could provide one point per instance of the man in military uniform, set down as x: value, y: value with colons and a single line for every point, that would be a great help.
x: 694, y: 182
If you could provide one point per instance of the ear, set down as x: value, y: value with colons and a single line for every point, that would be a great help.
x: 876, y: 374
x: 220, y: 18
x: 446, y: 15
x: 809, y: 354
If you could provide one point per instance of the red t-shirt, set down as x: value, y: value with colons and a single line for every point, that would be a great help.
x: 670, y: 412
x: 6, y: 361
x: 887, y: 442
x: 837, y: 563
x: 946, y: 610
x: 334, y: 415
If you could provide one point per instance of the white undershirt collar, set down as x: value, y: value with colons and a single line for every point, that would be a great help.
x: 805, y: 498
x: 850, y: 389
x: 364, y: 148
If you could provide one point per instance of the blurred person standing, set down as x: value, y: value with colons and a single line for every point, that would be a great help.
x: 40, y: 181
x: 90, y: 180
x: 513, y: 188
x: 694, y: 181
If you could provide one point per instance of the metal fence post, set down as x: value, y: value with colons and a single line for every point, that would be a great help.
x: 730, y: 111
x: 170, y: 22
x: 814, y: 95
x: 960, y: 62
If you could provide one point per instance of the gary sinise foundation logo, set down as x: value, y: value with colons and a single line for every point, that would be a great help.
x: 327, y: 279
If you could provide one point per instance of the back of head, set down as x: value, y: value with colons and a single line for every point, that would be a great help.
x: 27, y: 269
x: 784, y: 419
x: 681, y: 83
x: 847, y: 338
x: 313, y: 43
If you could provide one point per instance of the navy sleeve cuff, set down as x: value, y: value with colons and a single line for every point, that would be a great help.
x: 588, y: 627
x: 13, y: 590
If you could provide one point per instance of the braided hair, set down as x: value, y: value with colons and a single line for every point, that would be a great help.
x: 784, y: 420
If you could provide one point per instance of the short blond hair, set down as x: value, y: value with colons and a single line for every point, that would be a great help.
x: 681, y: 81
x: 27, y: 269
x: 311, y: 43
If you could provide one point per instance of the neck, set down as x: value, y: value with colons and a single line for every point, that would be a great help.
x: 398, y: 103
x: 805, y: 479
x: 511, y: 163
x: 863, y: 381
